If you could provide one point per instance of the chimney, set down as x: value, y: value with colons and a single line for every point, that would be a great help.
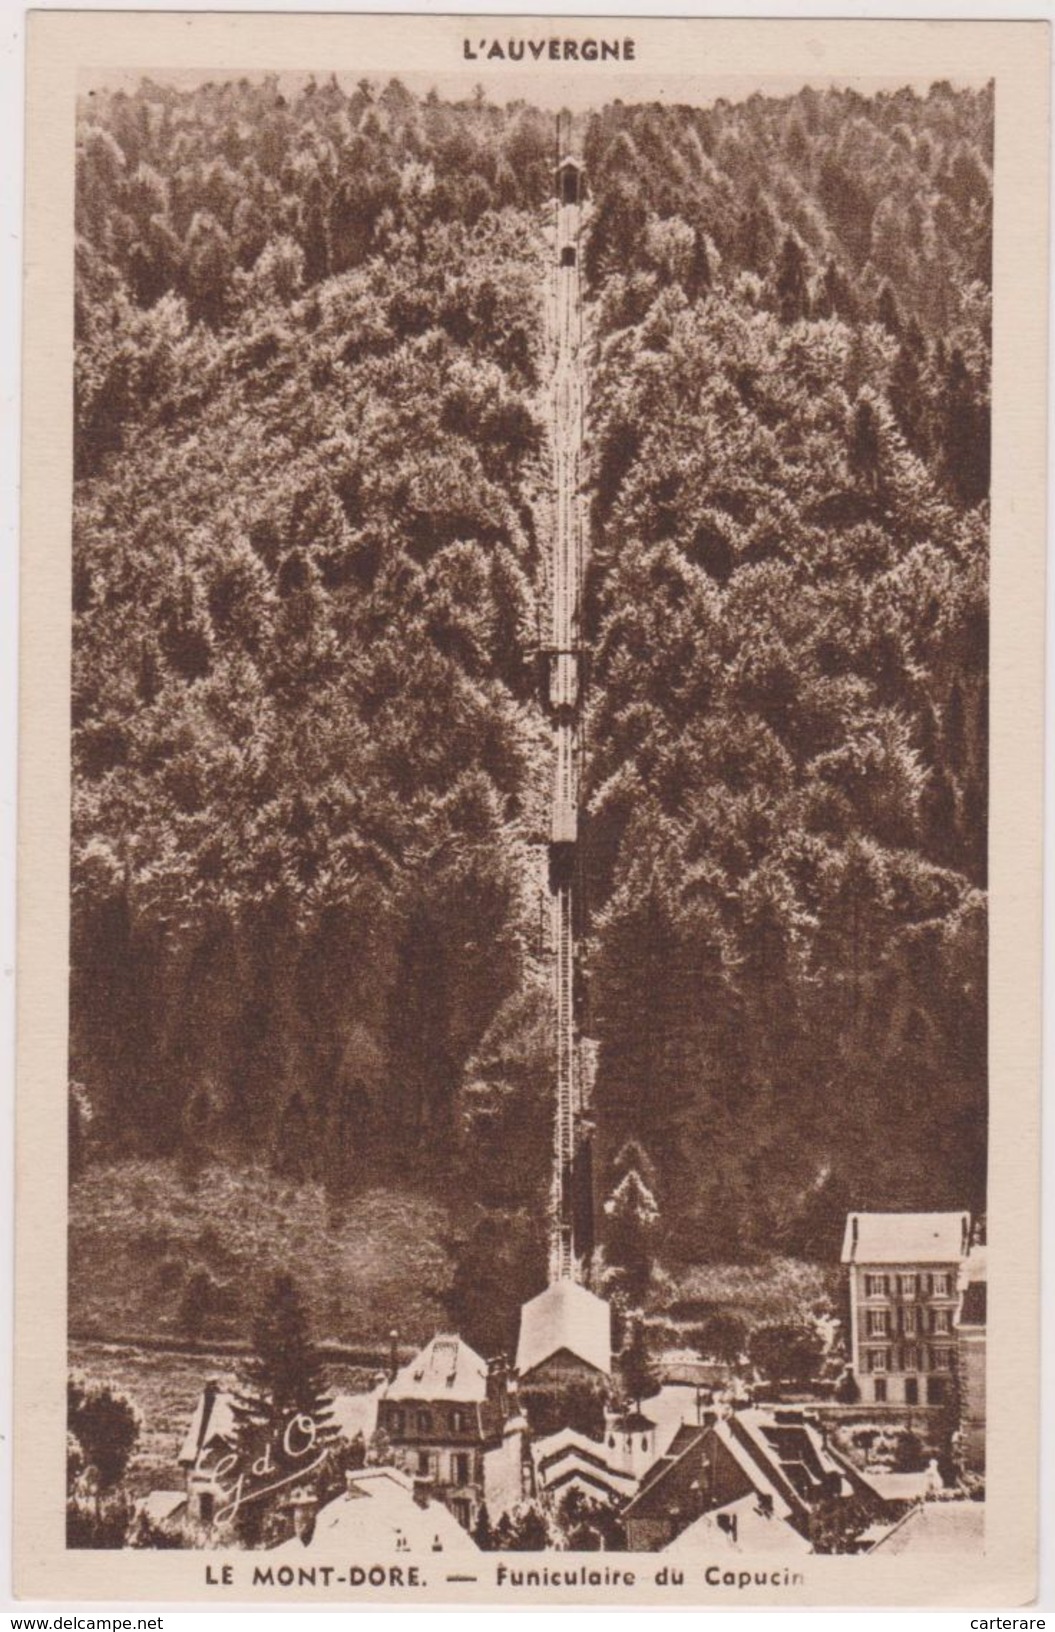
x: 393, y: 1353
x: 727, y: 1522
x: 498, y: 1385
x: 422, y: 1491
x: 209, y: 1396
x: 303, y: 1503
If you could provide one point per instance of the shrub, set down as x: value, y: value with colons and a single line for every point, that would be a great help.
x: 786, y: 1353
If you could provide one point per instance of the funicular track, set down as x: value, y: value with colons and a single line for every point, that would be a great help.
x: 566, y: 405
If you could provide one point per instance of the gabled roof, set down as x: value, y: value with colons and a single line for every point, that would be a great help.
x: 162, y: 1506
x: 378, y: 1516
x: 446, y: 1369
x: 565, y: 1316
x: 783, y: 1460
x: 895, y: 1488
x: 212, y: 1422
x: 686, y: 1440
x: 355, y: 1414
x: 906, y: 1238
x: 937, y: 1527
x: 904, y: 1487
x: 591, y: 1481
x: 565, y: 1440
x: 740, y: 1527
x: 758, y: 1468
x: 568, y: 1455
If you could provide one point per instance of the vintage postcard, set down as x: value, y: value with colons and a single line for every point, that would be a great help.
x: 530, y: 834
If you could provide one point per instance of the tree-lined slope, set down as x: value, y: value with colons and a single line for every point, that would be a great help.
x: 309, y: 772
x: 789, y: 609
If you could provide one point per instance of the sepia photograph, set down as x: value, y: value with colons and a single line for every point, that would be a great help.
x: 529, y: 969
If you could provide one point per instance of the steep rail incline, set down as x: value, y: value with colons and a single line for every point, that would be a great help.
x: 566, y: 572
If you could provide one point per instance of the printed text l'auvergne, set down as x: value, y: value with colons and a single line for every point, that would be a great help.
x: 552, y: 49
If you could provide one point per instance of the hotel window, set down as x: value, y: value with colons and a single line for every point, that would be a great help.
x: 908, y: 1285
x: 941, y: 1359
x: 424, y: 1422
x: 941, y: 1322
x: 877, y: 1323
x: 940, y: 1286
x: 460, y: 1468
x: 424, y: 1464
x: 925, y: 1285
x: 457, y: 1421
x: 908, y: 1321
x: 875, y: 1286
x: 910, y: 1358
x: 879, y: 1390
x: 879, y: 1360
x: 395, y: 1422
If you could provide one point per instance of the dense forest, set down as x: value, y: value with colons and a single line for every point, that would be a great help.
x: 310, y: 773
x: 311, y: 762
x: 788, y: 734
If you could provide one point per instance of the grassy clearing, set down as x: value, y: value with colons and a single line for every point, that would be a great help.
x: 157, y: 1252
x: 163, y: 1388
x: 776, y: 1291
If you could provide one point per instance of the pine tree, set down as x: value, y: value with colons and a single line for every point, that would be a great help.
x: 285, y: 1371
x: 887, y: 311
x: 632, y: 1218
x: 283, y: 1409
x: 793, y: 296
x: 865, y: 444
x: 481, y: 1532
x: 699, y: 278
x: 836, y: 296
x: 965, y: 427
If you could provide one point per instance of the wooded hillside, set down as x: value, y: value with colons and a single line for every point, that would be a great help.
x: 311, y: 768
x: 309, y: 763
x: 788, y: 732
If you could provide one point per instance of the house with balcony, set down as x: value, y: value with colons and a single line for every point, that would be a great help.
x: 451, y: 1420
x: 905, y: 1290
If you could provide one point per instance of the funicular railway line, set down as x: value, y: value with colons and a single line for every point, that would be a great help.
x: 565, y: 403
